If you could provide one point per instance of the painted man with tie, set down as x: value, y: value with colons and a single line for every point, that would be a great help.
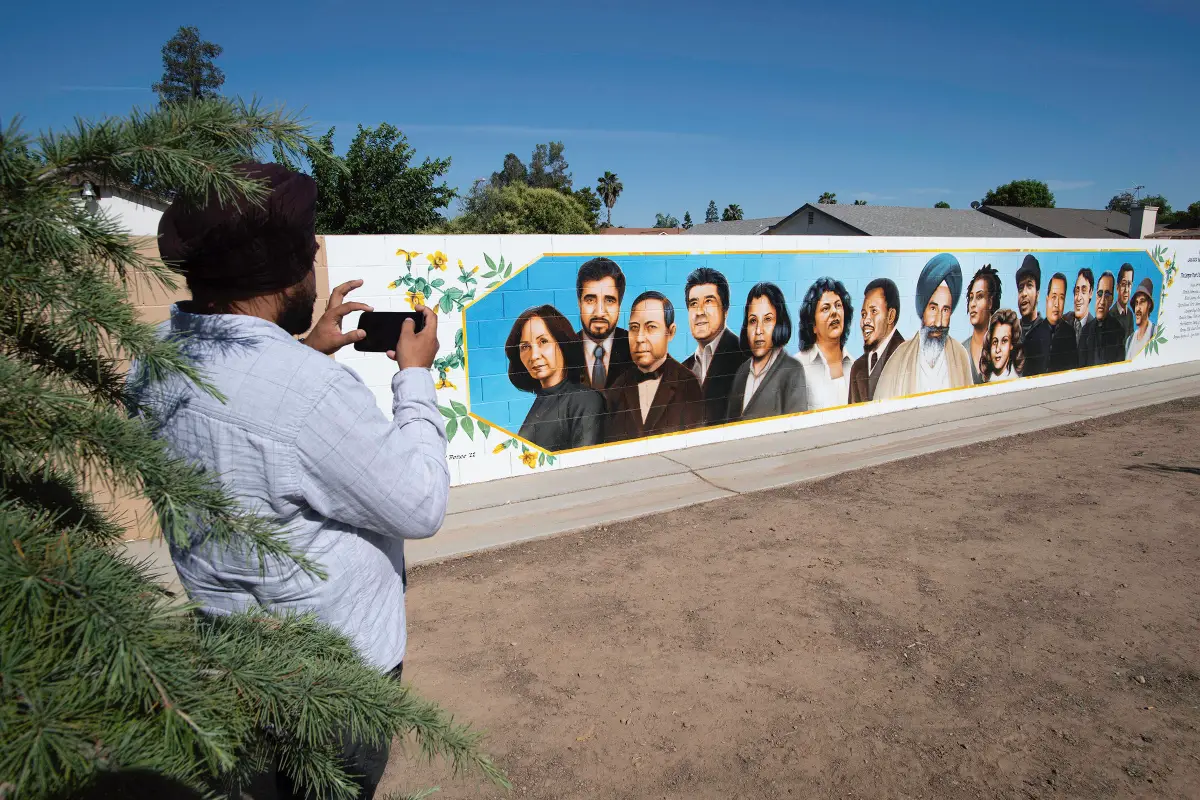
x: 600, y: 287
x: 657, y: 395
x: 880, y: 313
x: 718, y: 352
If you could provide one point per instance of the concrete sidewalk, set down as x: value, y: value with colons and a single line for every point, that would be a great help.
x: 506, y: 511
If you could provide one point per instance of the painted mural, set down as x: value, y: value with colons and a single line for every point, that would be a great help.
x: 555, y: 354
x: 582, y: 351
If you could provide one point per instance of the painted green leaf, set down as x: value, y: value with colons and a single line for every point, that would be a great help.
x: 508, y: 271
x: 541, y: 459
x: 551, y: 459
x: 484, y: 428
x: 491, y: 264
x: 493, y: 284
x: 446, y: 304
x: 446, y: 412
x: 437, y: 282
x: 451, y: 429
x: 458, y: 407
x: 458, y: 337
x: 469, y: 426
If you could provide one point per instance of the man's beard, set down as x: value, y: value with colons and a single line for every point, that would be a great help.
x: 932, y: 348
x: 296, y: 315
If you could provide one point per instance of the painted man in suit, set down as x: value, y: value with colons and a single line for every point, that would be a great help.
x: 718, y: 351
x: 1105, y: 335
x: 932, y: 360
x: 1064, y: 352
x: 1122, y: 311
x: 769, y: 383
x: 880, y: 313
x: 1036, y: 331
x: 600, y: 287
x: 657, y: 395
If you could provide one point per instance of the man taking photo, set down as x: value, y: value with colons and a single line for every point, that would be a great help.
x: 298, y: 438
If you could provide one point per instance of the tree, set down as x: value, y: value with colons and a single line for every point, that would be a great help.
x: 941, y: 204
x: 518, y: 209
x: 860, y: 202
x: 827, y: 199
x: 609, y: 187
x: 188, y: 69
x: 375, y: 188
x: 710, y: 215
x: 548, y: 167
x: 665, y: 221
x: 590, y: 202
x: 687, y: 220
x: 100, y: 672
x: 1028, y: 193
x: 1125, y: 202
x: 1189, y: 218
x: 513, y: 171
x: 731, y: 213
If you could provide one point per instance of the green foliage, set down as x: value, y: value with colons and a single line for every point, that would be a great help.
x: 828, y: 199
x: 941, y: 204
x: 590, y: 202
x: 1189, y: 218
x: 860, y: 202
x: 711, y: 214
x: 100, y: 672
x: 518, y: 209
x: 189, y: 72
x: 1028, y: 193
x: 731, y: 213
x: 665, y: 221
x: 609, y: 188
x: 1125, y: 202
x: 376, y: 188
x: 687, y: 220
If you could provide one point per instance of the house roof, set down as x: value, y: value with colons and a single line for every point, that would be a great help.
x: 908, y: 221
x: 1068, y: 223
x: 737, y: 227
x: 637, y: 231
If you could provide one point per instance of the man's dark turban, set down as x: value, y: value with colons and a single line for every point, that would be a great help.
x: 942, y: 267
x: 244, y: 248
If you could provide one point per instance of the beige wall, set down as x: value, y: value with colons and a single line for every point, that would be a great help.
x: 822, y: 225
x: 153, y: 304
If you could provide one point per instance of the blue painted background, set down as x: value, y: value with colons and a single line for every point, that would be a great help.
x: 551, y: 280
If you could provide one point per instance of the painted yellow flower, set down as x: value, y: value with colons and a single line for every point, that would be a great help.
x: 445, y: 383
x: 408, y: 255
x: 394, y: 284
x: 529, y: 459
x: 498, y: 448
x: 438, y: 260
x: 474, y: 270
x: 415, y: 299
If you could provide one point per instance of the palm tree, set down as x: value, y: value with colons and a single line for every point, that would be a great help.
x: 609, y: 187
x: 828, y: 198
x: 732, y: 212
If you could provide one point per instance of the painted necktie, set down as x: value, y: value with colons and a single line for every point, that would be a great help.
x: 599, y: 375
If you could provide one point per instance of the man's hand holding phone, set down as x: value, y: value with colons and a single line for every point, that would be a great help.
x: 417, y: 349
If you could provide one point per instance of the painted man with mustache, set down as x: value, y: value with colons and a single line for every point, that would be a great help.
x: 823, y: 334
x: 880, y: 313
x: 930, y: 361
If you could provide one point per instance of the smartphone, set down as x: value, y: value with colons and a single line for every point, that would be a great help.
x: 383, y: 329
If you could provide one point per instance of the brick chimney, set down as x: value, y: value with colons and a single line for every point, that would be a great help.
x: 1141, y: 221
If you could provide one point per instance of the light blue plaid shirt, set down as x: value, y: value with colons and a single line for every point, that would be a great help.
x: 301, y: 440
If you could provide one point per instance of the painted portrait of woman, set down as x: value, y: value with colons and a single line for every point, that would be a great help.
x: 1003, y: 355
x: 545, y: 356
x: 823, y: 334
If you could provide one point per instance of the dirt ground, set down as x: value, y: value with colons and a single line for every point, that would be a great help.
x: 1011, y: 619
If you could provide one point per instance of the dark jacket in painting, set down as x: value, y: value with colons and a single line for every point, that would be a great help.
x: 727, y: 357
x: 619, y: 360
x: 678, y: 404
x: 782, y: 390
x: 862, y: 379
x: 564, y: 417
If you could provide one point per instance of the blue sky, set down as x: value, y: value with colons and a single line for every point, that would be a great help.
x: 761, y: 104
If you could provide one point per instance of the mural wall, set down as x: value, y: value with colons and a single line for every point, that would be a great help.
x: 553, y: 358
